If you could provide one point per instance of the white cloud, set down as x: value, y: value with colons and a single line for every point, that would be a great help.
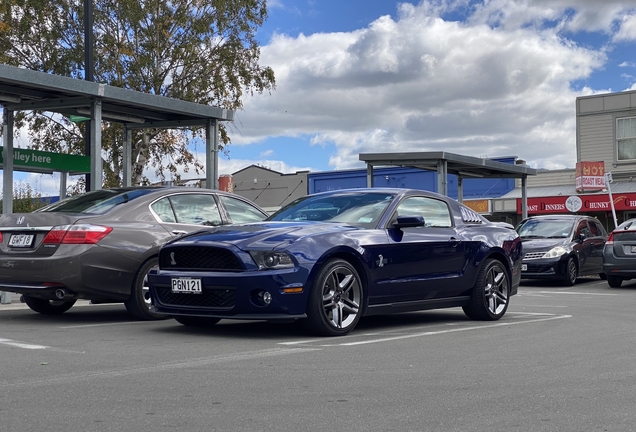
x: 419, y: 83
x: 627, y: 64
x: 627, y: 30
x: 265, y: 154
x: 572, y: 15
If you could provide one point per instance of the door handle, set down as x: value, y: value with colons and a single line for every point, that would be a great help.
x: 179, y: 232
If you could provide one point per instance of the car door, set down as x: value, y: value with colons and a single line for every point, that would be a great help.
x: 584, y: 249
x: 598, y: 239
x: 426, y: 261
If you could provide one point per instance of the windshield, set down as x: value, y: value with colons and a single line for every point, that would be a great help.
x: 545, y: 228
x: 95, y: 202
x: 357, y: 208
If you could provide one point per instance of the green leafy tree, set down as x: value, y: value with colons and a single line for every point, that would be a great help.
x: 25, y: 199
x: 198, y: 51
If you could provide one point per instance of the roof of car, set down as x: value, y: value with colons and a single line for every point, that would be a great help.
x: 562, y: 216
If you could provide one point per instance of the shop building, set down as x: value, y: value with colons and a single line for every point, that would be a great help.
x: 605, y: 146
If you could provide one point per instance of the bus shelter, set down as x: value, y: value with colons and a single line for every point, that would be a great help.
x: 22, y: 89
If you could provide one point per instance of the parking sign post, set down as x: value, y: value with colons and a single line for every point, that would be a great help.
x: 608, y: 181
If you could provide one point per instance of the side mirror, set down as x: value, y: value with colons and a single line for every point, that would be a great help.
x: 408, y: 222
x: 582, y: 237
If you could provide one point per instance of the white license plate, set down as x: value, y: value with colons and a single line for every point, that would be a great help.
x: 186, y: 285
x: 633, y: 249
x: 524, y: 267
x: 21, y: 240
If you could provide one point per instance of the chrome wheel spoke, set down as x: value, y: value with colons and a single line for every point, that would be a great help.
x: 496, y: 290
x: 341, y: 298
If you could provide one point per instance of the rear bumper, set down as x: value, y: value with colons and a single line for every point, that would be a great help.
x: 84, y: 274
x: 624, y: 271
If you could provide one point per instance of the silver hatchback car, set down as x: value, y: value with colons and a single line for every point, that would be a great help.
x: 619, y: 254
x: 101, y: 245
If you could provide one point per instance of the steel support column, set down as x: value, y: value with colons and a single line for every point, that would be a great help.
x: 96, y: 145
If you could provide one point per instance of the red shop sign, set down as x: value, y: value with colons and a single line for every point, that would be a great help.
x: 578, y: 203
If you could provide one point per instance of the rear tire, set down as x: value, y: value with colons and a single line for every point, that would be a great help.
x: 571, y: 273
x: 489, y: 300
x: 614, y: 281
x: 48, y: 307
x: 191, y: 321
x: 139, y: 302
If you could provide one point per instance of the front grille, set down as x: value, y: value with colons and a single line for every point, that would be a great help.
x: 533, y: 255
x: 218, y: 297
x: 204, y: 258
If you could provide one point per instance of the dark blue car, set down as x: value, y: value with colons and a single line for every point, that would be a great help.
x: 330, y: 258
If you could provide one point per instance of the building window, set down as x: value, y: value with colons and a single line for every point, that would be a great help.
x: 626, y: 138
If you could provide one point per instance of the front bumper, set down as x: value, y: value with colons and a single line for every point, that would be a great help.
x: 544, y: 268
x: 232, y: 295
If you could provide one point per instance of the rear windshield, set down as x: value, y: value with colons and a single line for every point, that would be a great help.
x: 95, y: 202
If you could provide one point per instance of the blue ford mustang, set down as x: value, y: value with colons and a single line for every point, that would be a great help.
x: 333, y: 257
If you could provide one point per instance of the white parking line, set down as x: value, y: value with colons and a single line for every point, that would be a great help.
x: 547, y: 317
x: 577, y: 293
x: 106, y: 324
x: 21, y: 344
x: 117, y: 373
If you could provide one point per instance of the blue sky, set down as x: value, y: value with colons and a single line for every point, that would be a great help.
x: 555, y: 49
x: 484, y: 78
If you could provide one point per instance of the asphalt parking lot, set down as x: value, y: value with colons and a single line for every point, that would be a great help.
x: 562, y: 359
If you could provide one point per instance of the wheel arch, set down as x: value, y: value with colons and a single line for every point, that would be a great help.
x: 500, y: 256
x: 349, y: 255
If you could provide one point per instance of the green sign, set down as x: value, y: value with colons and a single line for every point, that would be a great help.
x: 48, y: 162
x: 78, y: 119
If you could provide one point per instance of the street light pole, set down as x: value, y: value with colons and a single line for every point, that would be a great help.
x: 89, y: 72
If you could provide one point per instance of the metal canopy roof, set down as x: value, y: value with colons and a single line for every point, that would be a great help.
x: 445, y: 163
x: 460, y: 165
x: 23, y: 89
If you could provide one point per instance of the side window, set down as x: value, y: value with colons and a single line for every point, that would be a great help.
x: 194, y: 209
x: 435, y: 212
x: 597, y: 229
x: 594, y: 229
x: 582, y: 229
x: 163, y: 210
x: 240, y: 211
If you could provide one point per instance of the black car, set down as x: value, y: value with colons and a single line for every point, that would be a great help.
x: 101, y: 245
x: 330, y: 258
x: 562, y: 247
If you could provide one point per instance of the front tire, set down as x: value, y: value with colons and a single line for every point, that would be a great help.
x: 571, y: 273
x: 489, y: 300
x: 48, y: 307
x: 614, y: 281
x: 139, y: 302
x: 336, y: 299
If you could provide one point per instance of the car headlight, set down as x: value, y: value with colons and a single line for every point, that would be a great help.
x: 268, y: 260
x: 555, y: 252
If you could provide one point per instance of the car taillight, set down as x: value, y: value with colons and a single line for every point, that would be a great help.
x: 610, y: 239
x: 76, y: 234
x: 0, y: 237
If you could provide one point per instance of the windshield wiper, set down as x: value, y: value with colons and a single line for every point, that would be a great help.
x: 532, y: 237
